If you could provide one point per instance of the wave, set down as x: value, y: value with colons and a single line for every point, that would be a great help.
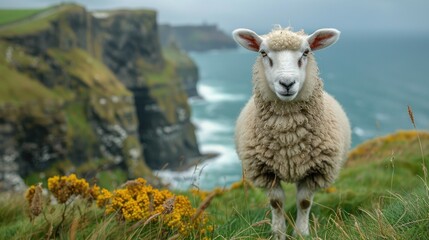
x: 213, y: 94
x: 220, y: 171
x: 363, y: 133
x: 209, y: 130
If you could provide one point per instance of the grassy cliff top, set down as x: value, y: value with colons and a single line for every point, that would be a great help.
x: 128, y: 11
x: 12, y: 15
x: 37, y: 21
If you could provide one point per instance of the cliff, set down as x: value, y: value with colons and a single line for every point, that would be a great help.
x: 196, y: 38
x: 90, y: 93
x: 133, y: 51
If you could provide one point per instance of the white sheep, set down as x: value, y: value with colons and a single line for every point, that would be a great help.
x: 290, y: 130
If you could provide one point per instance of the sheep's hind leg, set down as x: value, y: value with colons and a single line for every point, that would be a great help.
x: 277, y: 198
x: 304, y: 200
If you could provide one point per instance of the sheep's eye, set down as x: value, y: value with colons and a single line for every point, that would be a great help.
x: 263, y: 53
x: 305, y: 53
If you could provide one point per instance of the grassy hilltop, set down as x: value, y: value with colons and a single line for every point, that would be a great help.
x: 382, y: 193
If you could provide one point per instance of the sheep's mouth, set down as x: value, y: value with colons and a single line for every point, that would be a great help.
x: 286, y: 94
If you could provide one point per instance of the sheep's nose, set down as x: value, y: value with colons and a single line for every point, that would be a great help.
x: 287, y: 85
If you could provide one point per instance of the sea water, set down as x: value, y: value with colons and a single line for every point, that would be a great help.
x: 374, y: 78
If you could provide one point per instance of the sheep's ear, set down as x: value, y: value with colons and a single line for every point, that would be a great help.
x: 323, y: 38
x: 247, y: 38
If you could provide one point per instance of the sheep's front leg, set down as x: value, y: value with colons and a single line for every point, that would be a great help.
x: 277, y: 198
x: 304, y: 200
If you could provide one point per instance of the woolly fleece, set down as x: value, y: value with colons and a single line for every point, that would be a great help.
x: 303, y: 141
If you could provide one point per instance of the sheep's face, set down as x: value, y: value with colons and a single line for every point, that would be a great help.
x: 285, y: 56
x: 285, y: 70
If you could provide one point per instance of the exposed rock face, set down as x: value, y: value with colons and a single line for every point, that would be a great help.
x: 29, y: 142
x: 66, y: 106
x: 157, y: 84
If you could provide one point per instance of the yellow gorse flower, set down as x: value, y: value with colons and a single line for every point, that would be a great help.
x: 29, y: 194
x: 64, y: 187
x: 140, y: 201
x: 135, y: 201
x: 103, y: 197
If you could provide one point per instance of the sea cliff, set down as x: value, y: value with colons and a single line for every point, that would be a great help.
x: 90, y: 92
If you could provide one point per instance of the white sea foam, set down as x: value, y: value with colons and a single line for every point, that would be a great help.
x: 213, y: 94
x: 211, y: 126
x: 204, y: 175
x: 209, y: 129
x: 363, y: 133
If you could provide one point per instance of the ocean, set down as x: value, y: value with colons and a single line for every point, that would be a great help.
x: 374, y: 78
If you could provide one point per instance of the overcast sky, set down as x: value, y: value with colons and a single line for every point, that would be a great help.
x: 346, y: 15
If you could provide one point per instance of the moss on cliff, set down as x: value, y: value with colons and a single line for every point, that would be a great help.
x: 17, y: 88
x: 166, y: 89
x: 90, y: 72
x: 78, y: 124
x: 175, y: 55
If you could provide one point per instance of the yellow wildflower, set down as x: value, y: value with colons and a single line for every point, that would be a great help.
x: 65, y: 187
x: 138, y: 200
x: 94, y: 192
x: 103, y: 198
x: 29, y: 194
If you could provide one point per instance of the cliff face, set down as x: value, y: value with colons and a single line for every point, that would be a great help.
x: 64, y: 102
x: 196, y: 38
x: 131, y: 48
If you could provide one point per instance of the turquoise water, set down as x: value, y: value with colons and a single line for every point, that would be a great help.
x: 374, y: 78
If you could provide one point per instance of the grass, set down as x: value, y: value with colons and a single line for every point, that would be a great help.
x: 40, y: 23
x: 17, y: 88
x: 372, y: 199
x: 91, y: 73
x: 12, y: 15
x: 173, y: 54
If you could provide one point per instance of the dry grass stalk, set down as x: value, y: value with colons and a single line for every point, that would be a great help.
x: 168, y: 208
x: 425, y: 171
x: 169, y: 205
x: 50, y: 231
x: 315, y: 226
x: 73, y: 229
x: 392, y: 158
x: 132, y: 183
x: 357, y: 226
x: 204, y: 205
x: 146, y: 222
x: 36, y: 205
x: 262, y: 222
x: 341, y: 229
x: 411, y: 114
x: 174, y: 237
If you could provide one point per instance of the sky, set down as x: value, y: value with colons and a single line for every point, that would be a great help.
x: 359, y: 16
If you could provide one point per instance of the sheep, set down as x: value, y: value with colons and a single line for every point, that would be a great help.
x: 290, y: 130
